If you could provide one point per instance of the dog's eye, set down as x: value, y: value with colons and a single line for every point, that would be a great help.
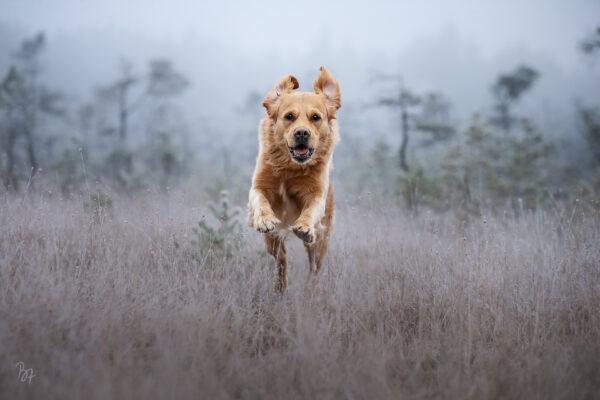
x: 315, y: 117
x: 289, y: 116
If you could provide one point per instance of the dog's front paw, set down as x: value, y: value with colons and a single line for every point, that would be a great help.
x: 305, y: 232
x: 265, y: 223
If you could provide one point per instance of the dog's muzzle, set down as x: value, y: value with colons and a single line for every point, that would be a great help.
x: 301, y: 151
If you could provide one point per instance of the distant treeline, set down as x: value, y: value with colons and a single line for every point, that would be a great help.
x: 131, y: 135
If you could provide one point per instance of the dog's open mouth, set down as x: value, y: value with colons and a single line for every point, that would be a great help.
x: 301, y: 152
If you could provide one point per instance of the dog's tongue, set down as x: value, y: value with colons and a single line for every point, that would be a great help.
x: 301, y: 150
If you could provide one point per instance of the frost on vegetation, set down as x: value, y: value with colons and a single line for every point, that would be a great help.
x: 100, y: 205
x: 221, y: 237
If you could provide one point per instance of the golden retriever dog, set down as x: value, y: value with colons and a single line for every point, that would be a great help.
x: 290, y: 187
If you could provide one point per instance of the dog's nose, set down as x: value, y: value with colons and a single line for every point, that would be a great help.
x: 301, y: 134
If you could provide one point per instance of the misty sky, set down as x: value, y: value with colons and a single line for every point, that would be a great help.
x: 548, y: 25
x: 228, y: 48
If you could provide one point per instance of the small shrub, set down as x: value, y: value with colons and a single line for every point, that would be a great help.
x: 223, y: 236
x: 100, y: 205
x: 418, y: 190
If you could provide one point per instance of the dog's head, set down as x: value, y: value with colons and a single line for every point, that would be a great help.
x: 302, y: 121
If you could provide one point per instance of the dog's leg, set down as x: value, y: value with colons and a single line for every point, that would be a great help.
x: 311, y: 250
x: 304, y: 227
x: 276, y: 248
x: 318, y: 207
x: 322, y: 251
x: 328, y: 226
x: 260, y: 214
x: 318, y: 250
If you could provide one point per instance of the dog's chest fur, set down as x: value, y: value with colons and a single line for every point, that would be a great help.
x: 287, y: 206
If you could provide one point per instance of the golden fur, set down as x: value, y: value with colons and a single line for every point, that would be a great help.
x: 288, y: 194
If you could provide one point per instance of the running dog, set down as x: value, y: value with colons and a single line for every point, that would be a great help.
x: 291, y: 190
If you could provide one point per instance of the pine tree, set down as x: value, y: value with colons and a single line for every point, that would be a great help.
x: 222, y: 236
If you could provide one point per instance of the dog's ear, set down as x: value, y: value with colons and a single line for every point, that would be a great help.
x: 285, y: 85
x: 327, y: 85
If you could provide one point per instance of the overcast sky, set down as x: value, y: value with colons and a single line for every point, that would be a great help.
x: 457, y: 47
x: 551, y: 26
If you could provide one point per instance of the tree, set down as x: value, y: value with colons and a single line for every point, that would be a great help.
x: 222, y: 237
x: 127, y: 95
x: 591, y: 44
x: 428, y: 114
x: 405, y: 101
x: 507, y: 90
x: 119, y: 93
x: 164, y: 81
x: 23, y: 103
x: 527, y: 167
x: 468, y: 169
x: 589, y: 115
x: 161, y: 83
x: 13, y: 100
x: 489, y: 167
x: 591, y: 123
x: 28, y: 58
x: 434, y: 119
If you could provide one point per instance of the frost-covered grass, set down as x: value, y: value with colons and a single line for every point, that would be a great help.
x: 118, y: 305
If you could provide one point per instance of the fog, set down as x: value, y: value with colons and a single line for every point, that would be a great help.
x: 142, y: 257
x: 232, y: 53
x: 229, y: 48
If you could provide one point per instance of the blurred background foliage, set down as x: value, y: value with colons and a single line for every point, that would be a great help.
x: 131, y: 134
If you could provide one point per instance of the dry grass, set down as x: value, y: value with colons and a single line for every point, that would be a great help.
x: 407, y: 307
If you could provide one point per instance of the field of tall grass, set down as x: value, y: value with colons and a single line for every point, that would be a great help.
x: 116, y: 302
